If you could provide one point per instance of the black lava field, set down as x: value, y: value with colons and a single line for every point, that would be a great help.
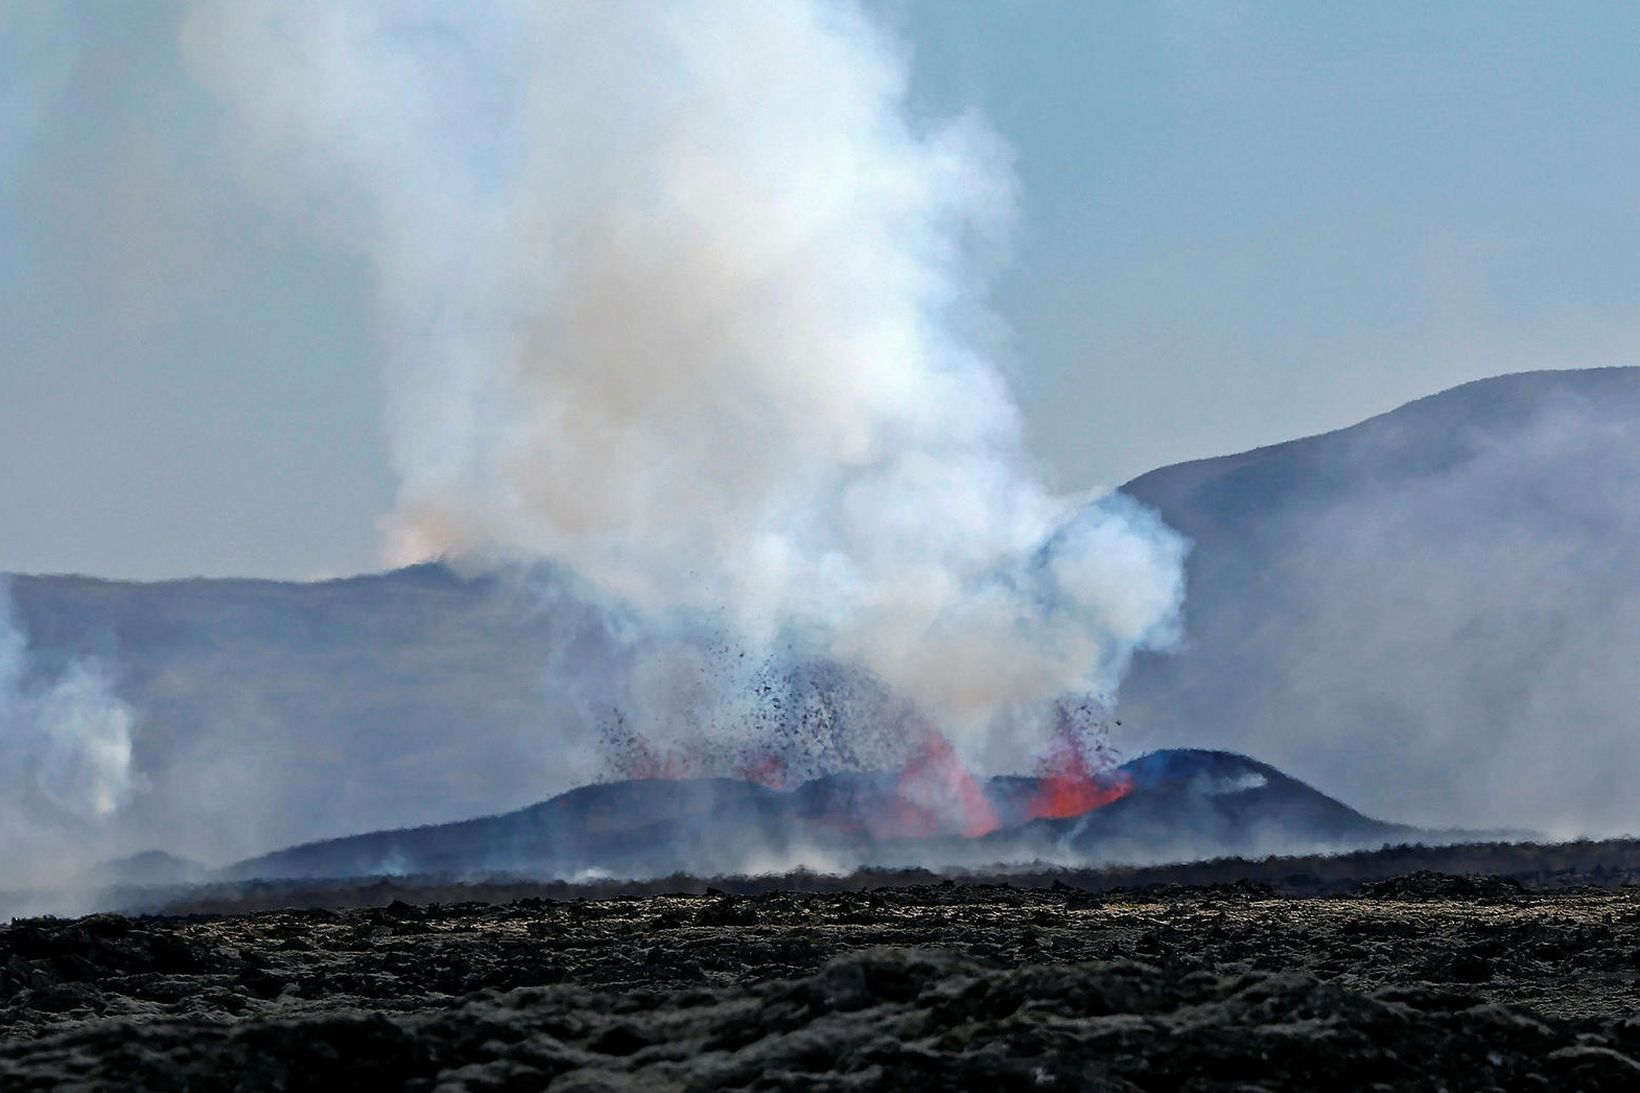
x: 1423, y: 980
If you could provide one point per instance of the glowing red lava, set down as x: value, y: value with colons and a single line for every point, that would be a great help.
x: 1070, y: 785
x: 1060, y: 797
x: 935, y: 795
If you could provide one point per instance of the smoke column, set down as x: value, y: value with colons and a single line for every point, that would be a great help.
x: 684, y: 298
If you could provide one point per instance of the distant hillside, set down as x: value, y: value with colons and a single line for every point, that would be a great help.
x: 1432, y: 613
x: 1184, y: 805
x: 274, y: 712
x: 1429, y: 615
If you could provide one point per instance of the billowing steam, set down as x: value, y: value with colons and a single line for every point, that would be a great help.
x: 65, y: 750
x: 70, y: 734
x: 684, y: 297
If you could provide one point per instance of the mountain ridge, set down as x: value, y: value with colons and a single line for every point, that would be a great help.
x: 1498, y: 516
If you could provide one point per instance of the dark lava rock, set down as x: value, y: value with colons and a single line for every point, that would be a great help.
x: 944, y: 985
x: 727, y: 911
x: 1470, y: 967
x: 881, y: 1019
x: 1425, y: 884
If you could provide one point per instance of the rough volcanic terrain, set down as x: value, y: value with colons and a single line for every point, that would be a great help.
x: 1420, y: 981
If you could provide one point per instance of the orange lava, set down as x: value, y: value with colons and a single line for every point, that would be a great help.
x: 1063, y: 796
x: 936, y: 795
x: 1070, y: 786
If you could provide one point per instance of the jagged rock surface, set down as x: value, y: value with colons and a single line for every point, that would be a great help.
x: 1430, y: 983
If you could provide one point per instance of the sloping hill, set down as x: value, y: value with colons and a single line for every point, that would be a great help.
x: 1191, y: 803
x: 638, y: 828
x: 1432, y: 612
x: 1184, y: 805
x: 272, y: 712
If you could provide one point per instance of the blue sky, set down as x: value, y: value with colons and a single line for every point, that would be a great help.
x: 1245, y: 222
x: 1238, y: 224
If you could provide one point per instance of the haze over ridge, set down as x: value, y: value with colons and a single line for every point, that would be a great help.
x: 1507, y: 708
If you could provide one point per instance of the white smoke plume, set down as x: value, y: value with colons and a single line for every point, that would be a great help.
x: 684, y: 297
x: 65, y: 751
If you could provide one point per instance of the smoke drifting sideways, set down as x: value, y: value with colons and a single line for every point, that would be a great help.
x: 65, y: 755
x: 1431, y: 613
x: 685, y: 299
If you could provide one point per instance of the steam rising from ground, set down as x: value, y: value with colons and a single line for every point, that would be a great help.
x: 65, y: 748
x: 683, y: 297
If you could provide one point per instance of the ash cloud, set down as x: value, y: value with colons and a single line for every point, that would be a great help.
x: 684, y: 298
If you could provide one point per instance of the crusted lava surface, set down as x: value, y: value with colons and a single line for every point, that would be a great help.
x: 1421, y: 981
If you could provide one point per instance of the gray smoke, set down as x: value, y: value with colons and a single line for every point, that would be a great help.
x: 682, y: 297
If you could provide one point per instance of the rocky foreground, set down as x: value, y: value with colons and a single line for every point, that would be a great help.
x: 1419, y: 982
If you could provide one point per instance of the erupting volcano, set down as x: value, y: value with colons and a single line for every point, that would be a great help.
x: 1076, y: 778
x: 935, y: 795
x: 930, y: 793
x: 932, y: 814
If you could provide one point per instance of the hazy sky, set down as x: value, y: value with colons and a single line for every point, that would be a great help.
x: 1238, y: 223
